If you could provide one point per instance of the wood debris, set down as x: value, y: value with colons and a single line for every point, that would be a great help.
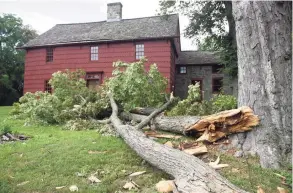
x: 73, y: 188
x: 59, y: 187
x: 165, y: 186
x: 159, y: 135
x: 130, y: 185
x: 216, y: 164
x: 196, y: 150
x: 169, y: 144
x: 187, y: 145
x: 216, y: 126
x: 137, y: 173
x: 93, y: 179
x: 260, y: 190
x: 22, y: 183
x: 96, y: 152
x: 282, y: 190
x: 6, y: 137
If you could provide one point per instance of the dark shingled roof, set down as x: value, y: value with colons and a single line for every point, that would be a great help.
x: 125, y: 29
x: 197, y: 58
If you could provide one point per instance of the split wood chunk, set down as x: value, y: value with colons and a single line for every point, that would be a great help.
x: 196, y: 150
x: 224, y: 123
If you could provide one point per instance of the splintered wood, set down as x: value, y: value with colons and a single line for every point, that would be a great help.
x: 224, y: 123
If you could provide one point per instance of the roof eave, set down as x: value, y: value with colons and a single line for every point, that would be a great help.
x: 96, y: 41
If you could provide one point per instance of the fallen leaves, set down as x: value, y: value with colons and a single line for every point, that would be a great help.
x: 165, y: 186
x: 216, y: 164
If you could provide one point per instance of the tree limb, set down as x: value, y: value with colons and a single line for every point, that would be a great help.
x: 190, y: 173
x: 155, y: 113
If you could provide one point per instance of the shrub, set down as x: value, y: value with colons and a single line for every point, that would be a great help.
x: 132, y: 86
x: 193, y: 106
x: 223, y: 102
x: 71, y: 99
x: 4, y: 129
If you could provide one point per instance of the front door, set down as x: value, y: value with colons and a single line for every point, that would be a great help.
x: 93, y: 80
x: 93, y: 84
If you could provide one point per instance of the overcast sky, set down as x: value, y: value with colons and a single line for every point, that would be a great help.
x: 44, y: 14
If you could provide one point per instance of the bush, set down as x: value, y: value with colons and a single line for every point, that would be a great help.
x: 132, y: 86
x: 71, y: 99
x: 192, y: 105
x: 4, y: 129
x: 223, y: 102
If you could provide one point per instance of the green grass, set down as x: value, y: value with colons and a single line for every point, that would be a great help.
x: 52, y: 157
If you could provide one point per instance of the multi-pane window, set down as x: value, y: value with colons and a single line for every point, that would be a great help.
x: 48, y: 87
x: 217, y: 85
x: 94, y: 53
x: 182, y: 70
x: 139, y: 51
x: 50, y: 53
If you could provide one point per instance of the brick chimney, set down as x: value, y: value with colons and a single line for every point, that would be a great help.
x: 114, y: 11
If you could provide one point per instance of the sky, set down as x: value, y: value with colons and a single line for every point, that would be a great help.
x: 42, y: 15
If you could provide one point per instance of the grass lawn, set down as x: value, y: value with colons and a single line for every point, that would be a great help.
x: 52, y: 157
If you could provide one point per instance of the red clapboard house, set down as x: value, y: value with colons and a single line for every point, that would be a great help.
x: 94, y: 47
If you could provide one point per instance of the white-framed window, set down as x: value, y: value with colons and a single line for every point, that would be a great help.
x: 49, y: 54
x: 139, y: 51
x: 182, y: 70
x: 94, y: 53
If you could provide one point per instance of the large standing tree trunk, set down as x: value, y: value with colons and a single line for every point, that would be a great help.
x: 264, y: 32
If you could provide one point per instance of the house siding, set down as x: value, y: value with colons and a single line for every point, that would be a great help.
x: 203, y: 73
x: 37, y: 70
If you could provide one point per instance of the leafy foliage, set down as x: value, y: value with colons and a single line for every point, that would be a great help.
x: 133, y: 86
x: 12, y: 34
x: 212, y: 25
x: 4, y: 129
x: 192, y: 105
x: 70, y: 100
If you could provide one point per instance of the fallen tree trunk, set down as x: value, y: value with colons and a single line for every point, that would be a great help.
x: 190, y: 173
x: 212, y: 127
x: 176, y: 124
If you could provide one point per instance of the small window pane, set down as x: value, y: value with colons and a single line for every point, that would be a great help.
x: 49, y: 55
x: 48, y: 87
x: 139, y: 51
x: 94, y: 53
x: 182, y: 70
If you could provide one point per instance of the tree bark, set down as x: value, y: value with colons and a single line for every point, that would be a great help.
x: 176, y: 124
x: 143, y: 111
x: 264, y: 32
x: 211, y: 128
x: 190, y: 173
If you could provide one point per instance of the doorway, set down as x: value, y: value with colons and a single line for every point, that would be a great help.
x: 194, y: 81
